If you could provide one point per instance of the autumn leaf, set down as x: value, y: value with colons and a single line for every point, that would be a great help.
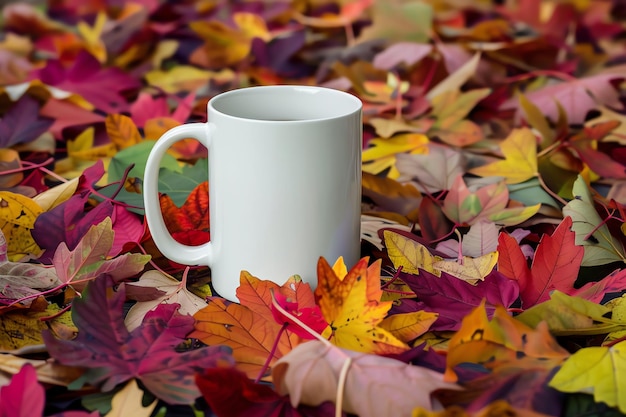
x: 591, y: 232
x: 595, y: 370
x: 23, y: 396
x: 128, y: 401
x: 18, y: 216
x: 501, y: 340
x: 22, y: 123
x: 310, y: 374
x: 112, y: 355
x: 520, y: 158
x: 249, y: 328
x: 88, y: 259
x: 352, y: 308
x: 489, y: 203
x: 99, y: 87
x: 409, y: 254
x: 391, y: 20
x: 228, y: 44
x: 191, y: 217
x: 172, y: 292
x: 452, y: 298
x: 431, y: 171
x: 230, y: 393
x: 122, y: 131
x: 570, y: 315
x: 381, y: 153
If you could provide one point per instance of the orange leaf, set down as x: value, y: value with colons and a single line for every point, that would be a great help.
x: 249, y: 328
x: 194, y: 213
x: 122, y: 131
x: 501, y: 340
x: 249, y: 335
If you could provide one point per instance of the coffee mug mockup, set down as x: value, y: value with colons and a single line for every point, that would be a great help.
x: 284, y: 184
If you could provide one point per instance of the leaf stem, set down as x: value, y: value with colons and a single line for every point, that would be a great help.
x: 28, y: 165
x: 341, y: 384
x: 549, y: 191
x: 270, y: 356
x: 296, y: 320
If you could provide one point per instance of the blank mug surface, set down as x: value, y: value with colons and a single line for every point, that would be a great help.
x: 284, y: 181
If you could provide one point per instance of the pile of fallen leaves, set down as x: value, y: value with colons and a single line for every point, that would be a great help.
x: 493, y: 211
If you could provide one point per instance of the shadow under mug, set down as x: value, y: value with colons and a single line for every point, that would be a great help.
x: 284, y: 184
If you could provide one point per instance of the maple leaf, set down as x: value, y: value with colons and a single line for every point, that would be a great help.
x: 570, y: 315
x: 555, y: 265
x: 520, y: 158
x: 452, y: 298
x: 191, y: 217
x: 432, y: 171
x: 67, y: 223
x: 577, y: 96
x: 600, y: 246
x: 100, y: 87
x: 22, y: 123
x: 488, y: 203
x: 596, y: 370
x: 230, y: 393
x: 112, y: 355
x: 228, y: 44
x: 88, y: 259
x: 147, y: 107
x: 388, y: 382
x: 122, y: 131
x: 501, y: 340
x: 249, y: 328
x: 350, y: 304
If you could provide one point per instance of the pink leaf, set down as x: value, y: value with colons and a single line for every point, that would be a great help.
x: 24, y: 396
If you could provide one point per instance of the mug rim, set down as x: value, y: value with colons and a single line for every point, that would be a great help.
x: 353, y: 104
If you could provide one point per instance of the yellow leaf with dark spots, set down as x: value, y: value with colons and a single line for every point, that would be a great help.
x: 17, y: 218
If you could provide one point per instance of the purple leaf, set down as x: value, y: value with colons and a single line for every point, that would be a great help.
x: 112, y: 355
x: 24, y: 396
x: 453, y: 298
x: 22, y: 123
x: 68, y: 222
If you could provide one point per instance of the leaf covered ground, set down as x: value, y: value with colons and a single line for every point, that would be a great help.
x: 493, y: 227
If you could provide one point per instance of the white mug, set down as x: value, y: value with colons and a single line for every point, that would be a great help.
x: 284, y: 184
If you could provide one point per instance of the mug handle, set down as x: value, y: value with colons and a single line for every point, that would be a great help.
x: 172, y: 249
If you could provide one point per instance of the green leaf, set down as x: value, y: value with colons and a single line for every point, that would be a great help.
x: 137, y: 155
x: 530, y: 193
x: 600, y: 246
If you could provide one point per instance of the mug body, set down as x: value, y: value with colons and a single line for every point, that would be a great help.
x: 285, y: 182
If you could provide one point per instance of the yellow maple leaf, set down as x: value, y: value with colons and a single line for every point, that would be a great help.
x: 17, y: 218
x: 351, y: 306
x: 409, y: 326
x: 600, y: 371
x: 520, y: 158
